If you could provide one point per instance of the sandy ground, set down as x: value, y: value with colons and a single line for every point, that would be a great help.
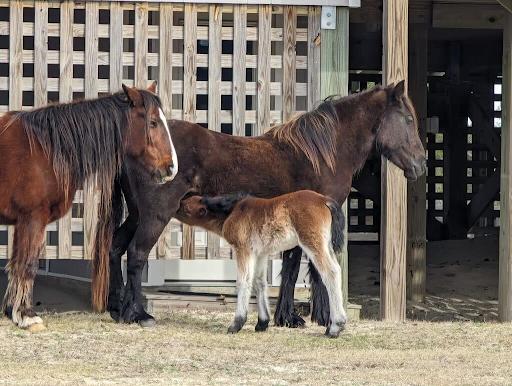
x: 451, y: 347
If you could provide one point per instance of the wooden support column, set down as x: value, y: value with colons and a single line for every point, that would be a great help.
x: 416, y: 192
x: 334, y: 81
x: 505, y: 253
x: 393, y: 229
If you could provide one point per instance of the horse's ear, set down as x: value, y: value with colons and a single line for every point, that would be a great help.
x: 399, y: 90
x: 133, y: 95
x: 152, y: 87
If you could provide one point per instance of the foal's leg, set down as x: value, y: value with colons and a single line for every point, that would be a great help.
x: 285, y: 315
x: 330, y: 272
x: 22, y: 269
x: 246, y: 264
x: 261, y: 293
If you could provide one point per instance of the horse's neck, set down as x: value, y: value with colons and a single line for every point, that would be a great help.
x: 356, y: 138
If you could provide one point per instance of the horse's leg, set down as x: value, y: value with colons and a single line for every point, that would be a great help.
x: 285, y: 314
x: 246, y: 264
x: 330, y: 272
x: 22, y: 269
x: 121, y: 239
x: 319, y: 298
x: 145, y: 237
x: 261, y: 293
x: 120, y: 242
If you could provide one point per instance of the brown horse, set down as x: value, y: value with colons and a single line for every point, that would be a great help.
x: 258, y: 227
x: 320, y: 150
x: 47, y: 153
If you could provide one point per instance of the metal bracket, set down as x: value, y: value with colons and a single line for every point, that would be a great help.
x: 328, y: 19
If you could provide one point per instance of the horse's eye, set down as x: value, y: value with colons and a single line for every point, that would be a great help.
x: 409, y: 119
x: 153, y: 123
x: 202, y: 212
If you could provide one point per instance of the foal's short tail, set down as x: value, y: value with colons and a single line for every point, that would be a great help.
x: 110, y: 217
x: 337, y: 225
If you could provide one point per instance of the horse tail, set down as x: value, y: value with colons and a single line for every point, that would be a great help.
x: 107, y: 223
x: 337, y: 225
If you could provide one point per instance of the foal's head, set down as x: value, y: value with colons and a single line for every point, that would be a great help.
x: 397, y: 135
x: 149, y: 140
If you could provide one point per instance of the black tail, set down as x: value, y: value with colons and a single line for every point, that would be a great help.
x: 223, y: 204
x: 337, y: 225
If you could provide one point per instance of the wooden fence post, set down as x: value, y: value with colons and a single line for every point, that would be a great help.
x: 189, y: 100
x: 334, y: 81
x: 505, y: 247
x: 65, y: 95
x: 393, y: 228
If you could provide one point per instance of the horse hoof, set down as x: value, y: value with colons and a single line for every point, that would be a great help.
x: 261, y: 326
x: 334, y: 330
x: 38, y: 327
x: 147, y: 323
x: 234, y: 329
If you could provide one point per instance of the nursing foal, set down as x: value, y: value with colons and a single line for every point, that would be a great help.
x: 258, y: 227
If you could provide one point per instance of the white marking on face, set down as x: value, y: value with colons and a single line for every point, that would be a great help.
x: 174, y: 155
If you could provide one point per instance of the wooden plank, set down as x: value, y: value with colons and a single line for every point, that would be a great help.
x: 416, y: 193
x: 507, y: 4
x: 65, y: 95
x: 483, y: 199
x: 239, y: 52
x: 313, y: 56
x: 15, y: 77
x: 141, y: 45
x: 40, y: 52
x: 334, y: 81
x: 91, y: 91
x: 189, y: 99
x: 264, y: 55
x: 116, y: 47
x: 505, y: 242
x: 214, y: 85
x: 468, y: 16
x: 163, y: 247
x: 393, y: 184
x: 289, y: 69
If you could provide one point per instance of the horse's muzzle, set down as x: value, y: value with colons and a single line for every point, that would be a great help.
x: 164, y: 175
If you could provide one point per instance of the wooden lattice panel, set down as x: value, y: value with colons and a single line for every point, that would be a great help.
x: 233, y: 68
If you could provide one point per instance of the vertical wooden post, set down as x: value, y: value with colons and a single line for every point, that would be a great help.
x: 141, y: 45
x: 116, y: 47
x: 189, y: 100
x: 263, y: 85
x: 65, y: 95
x: 393, y: 227
x: 91, y: 91
x: 165, y: 92
x: 416, y: 193
x: 289, y: 61
x: 334, y: 81
x: 214, y: 85
x: 239, y: 67
x: 15, y: 77
x: 505, y: 253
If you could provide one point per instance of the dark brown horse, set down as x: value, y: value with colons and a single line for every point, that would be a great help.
x: 47, y: 153
x: 320, y: 150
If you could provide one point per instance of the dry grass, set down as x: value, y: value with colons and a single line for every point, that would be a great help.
x: 192, y: 347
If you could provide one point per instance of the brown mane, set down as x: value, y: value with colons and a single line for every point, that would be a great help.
x: 313, y: 133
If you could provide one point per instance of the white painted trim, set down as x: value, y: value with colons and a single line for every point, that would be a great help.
x: 337, y: 3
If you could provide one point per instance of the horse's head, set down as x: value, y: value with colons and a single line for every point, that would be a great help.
x: 193, y: 208
x: 148, y: 139
x: 397, y: 135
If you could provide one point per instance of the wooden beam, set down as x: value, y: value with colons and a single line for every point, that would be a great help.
x: 468, y: 16
x: 483, y: 199
x: 507, y: 4
x: 416, y: 191
x: 393, y: 228
x: 334, y: 80
x: 505, y: 247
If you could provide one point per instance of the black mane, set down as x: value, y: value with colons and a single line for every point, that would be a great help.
x: 223, y: 204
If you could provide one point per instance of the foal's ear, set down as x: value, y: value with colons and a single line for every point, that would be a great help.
x: 133, y: 95
x: 152, y: 87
